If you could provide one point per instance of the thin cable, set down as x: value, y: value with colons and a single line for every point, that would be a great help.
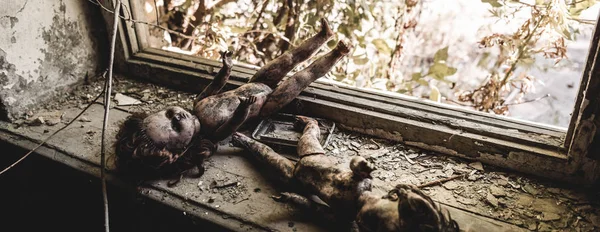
x: 107, y: 95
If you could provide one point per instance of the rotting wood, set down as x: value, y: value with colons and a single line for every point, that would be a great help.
x: 580, y: 101
x: 585, y: 134
x: 439, y: 149
x: 379, y: 133
x: 455, y: 121
x: 584, y: 144
x: 512, y: 156
x: 443, y: 109
x: 364, y: 120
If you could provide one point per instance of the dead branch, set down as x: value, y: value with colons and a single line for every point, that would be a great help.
x: 195, y: 16
x: 583, y: 21
x: 260, y: 13
x: 141, y: 22
x: 407, y: 20
x: 157, y: 16
x: 282, y: 12
x: 528, y: 101
x: 267, y: 45
x: 290, y: 26
x: 220, y: 4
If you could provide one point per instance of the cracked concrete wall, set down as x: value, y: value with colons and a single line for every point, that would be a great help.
x: 45, y: 46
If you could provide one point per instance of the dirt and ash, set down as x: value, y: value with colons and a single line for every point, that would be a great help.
x: 531, y: 203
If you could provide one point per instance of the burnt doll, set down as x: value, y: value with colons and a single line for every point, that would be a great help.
x: 173, y: 140
x: 346, y: 192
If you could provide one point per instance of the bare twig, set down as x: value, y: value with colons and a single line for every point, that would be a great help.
x: 290, y: 26
x: 260, y: 13
x: 126, y: 11
x: 524, y: 3
x: 528, y: 101
x: 459, y: 103
x: 143, y: 22
x: 520, y: 53
x: 276, y: 35
x: 403, y: 23
x: 107, y: 91
x: 157, y: 17
x: 577, y: 2
x: 583, y: 21
x: 52, y: 135
x: 440, y: 181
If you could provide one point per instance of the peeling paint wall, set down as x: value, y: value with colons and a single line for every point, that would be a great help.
x: 45, y: 46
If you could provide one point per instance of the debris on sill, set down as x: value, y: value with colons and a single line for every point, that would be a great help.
x: 510, y: 197
x: 124, y: 100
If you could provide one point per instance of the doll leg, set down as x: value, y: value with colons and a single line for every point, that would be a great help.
x: 277, y: 164
x: 309, y: 143
x: 220, y: 79
x: 274, y: 71
x: 289, y: 89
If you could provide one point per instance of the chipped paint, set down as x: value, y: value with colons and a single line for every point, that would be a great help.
x: 440, y: 149
x: 526, y: 162
x: 584, y: 134
x: 44, y: 47
x: 380, y: 133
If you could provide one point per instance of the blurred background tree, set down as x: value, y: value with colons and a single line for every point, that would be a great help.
x: 476, y: 54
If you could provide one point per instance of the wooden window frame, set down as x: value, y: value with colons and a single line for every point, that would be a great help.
x: 533, y: 148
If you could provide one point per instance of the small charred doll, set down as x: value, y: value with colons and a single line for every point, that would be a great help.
x: 347, y: 193
x: 173, y: 140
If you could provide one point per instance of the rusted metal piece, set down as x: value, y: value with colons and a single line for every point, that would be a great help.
x: 279, y: 130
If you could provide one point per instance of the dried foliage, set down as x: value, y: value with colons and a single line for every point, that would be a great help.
x: 259, y: 30
x: 544, y: 32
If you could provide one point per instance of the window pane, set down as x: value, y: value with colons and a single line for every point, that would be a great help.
x: 523, y: 60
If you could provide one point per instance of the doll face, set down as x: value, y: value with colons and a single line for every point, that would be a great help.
x: 172, y: 128
x: 378, y: 214
x: 406, y: 209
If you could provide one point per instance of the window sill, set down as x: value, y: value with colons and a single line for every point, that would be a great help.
x: 243, y: 213
x: 79, y: 148
x: 509, y: 143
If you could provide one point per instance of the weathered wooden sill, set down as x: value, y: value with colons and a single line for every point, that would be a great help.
x: 513, y: 144
x: 79, y: 147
